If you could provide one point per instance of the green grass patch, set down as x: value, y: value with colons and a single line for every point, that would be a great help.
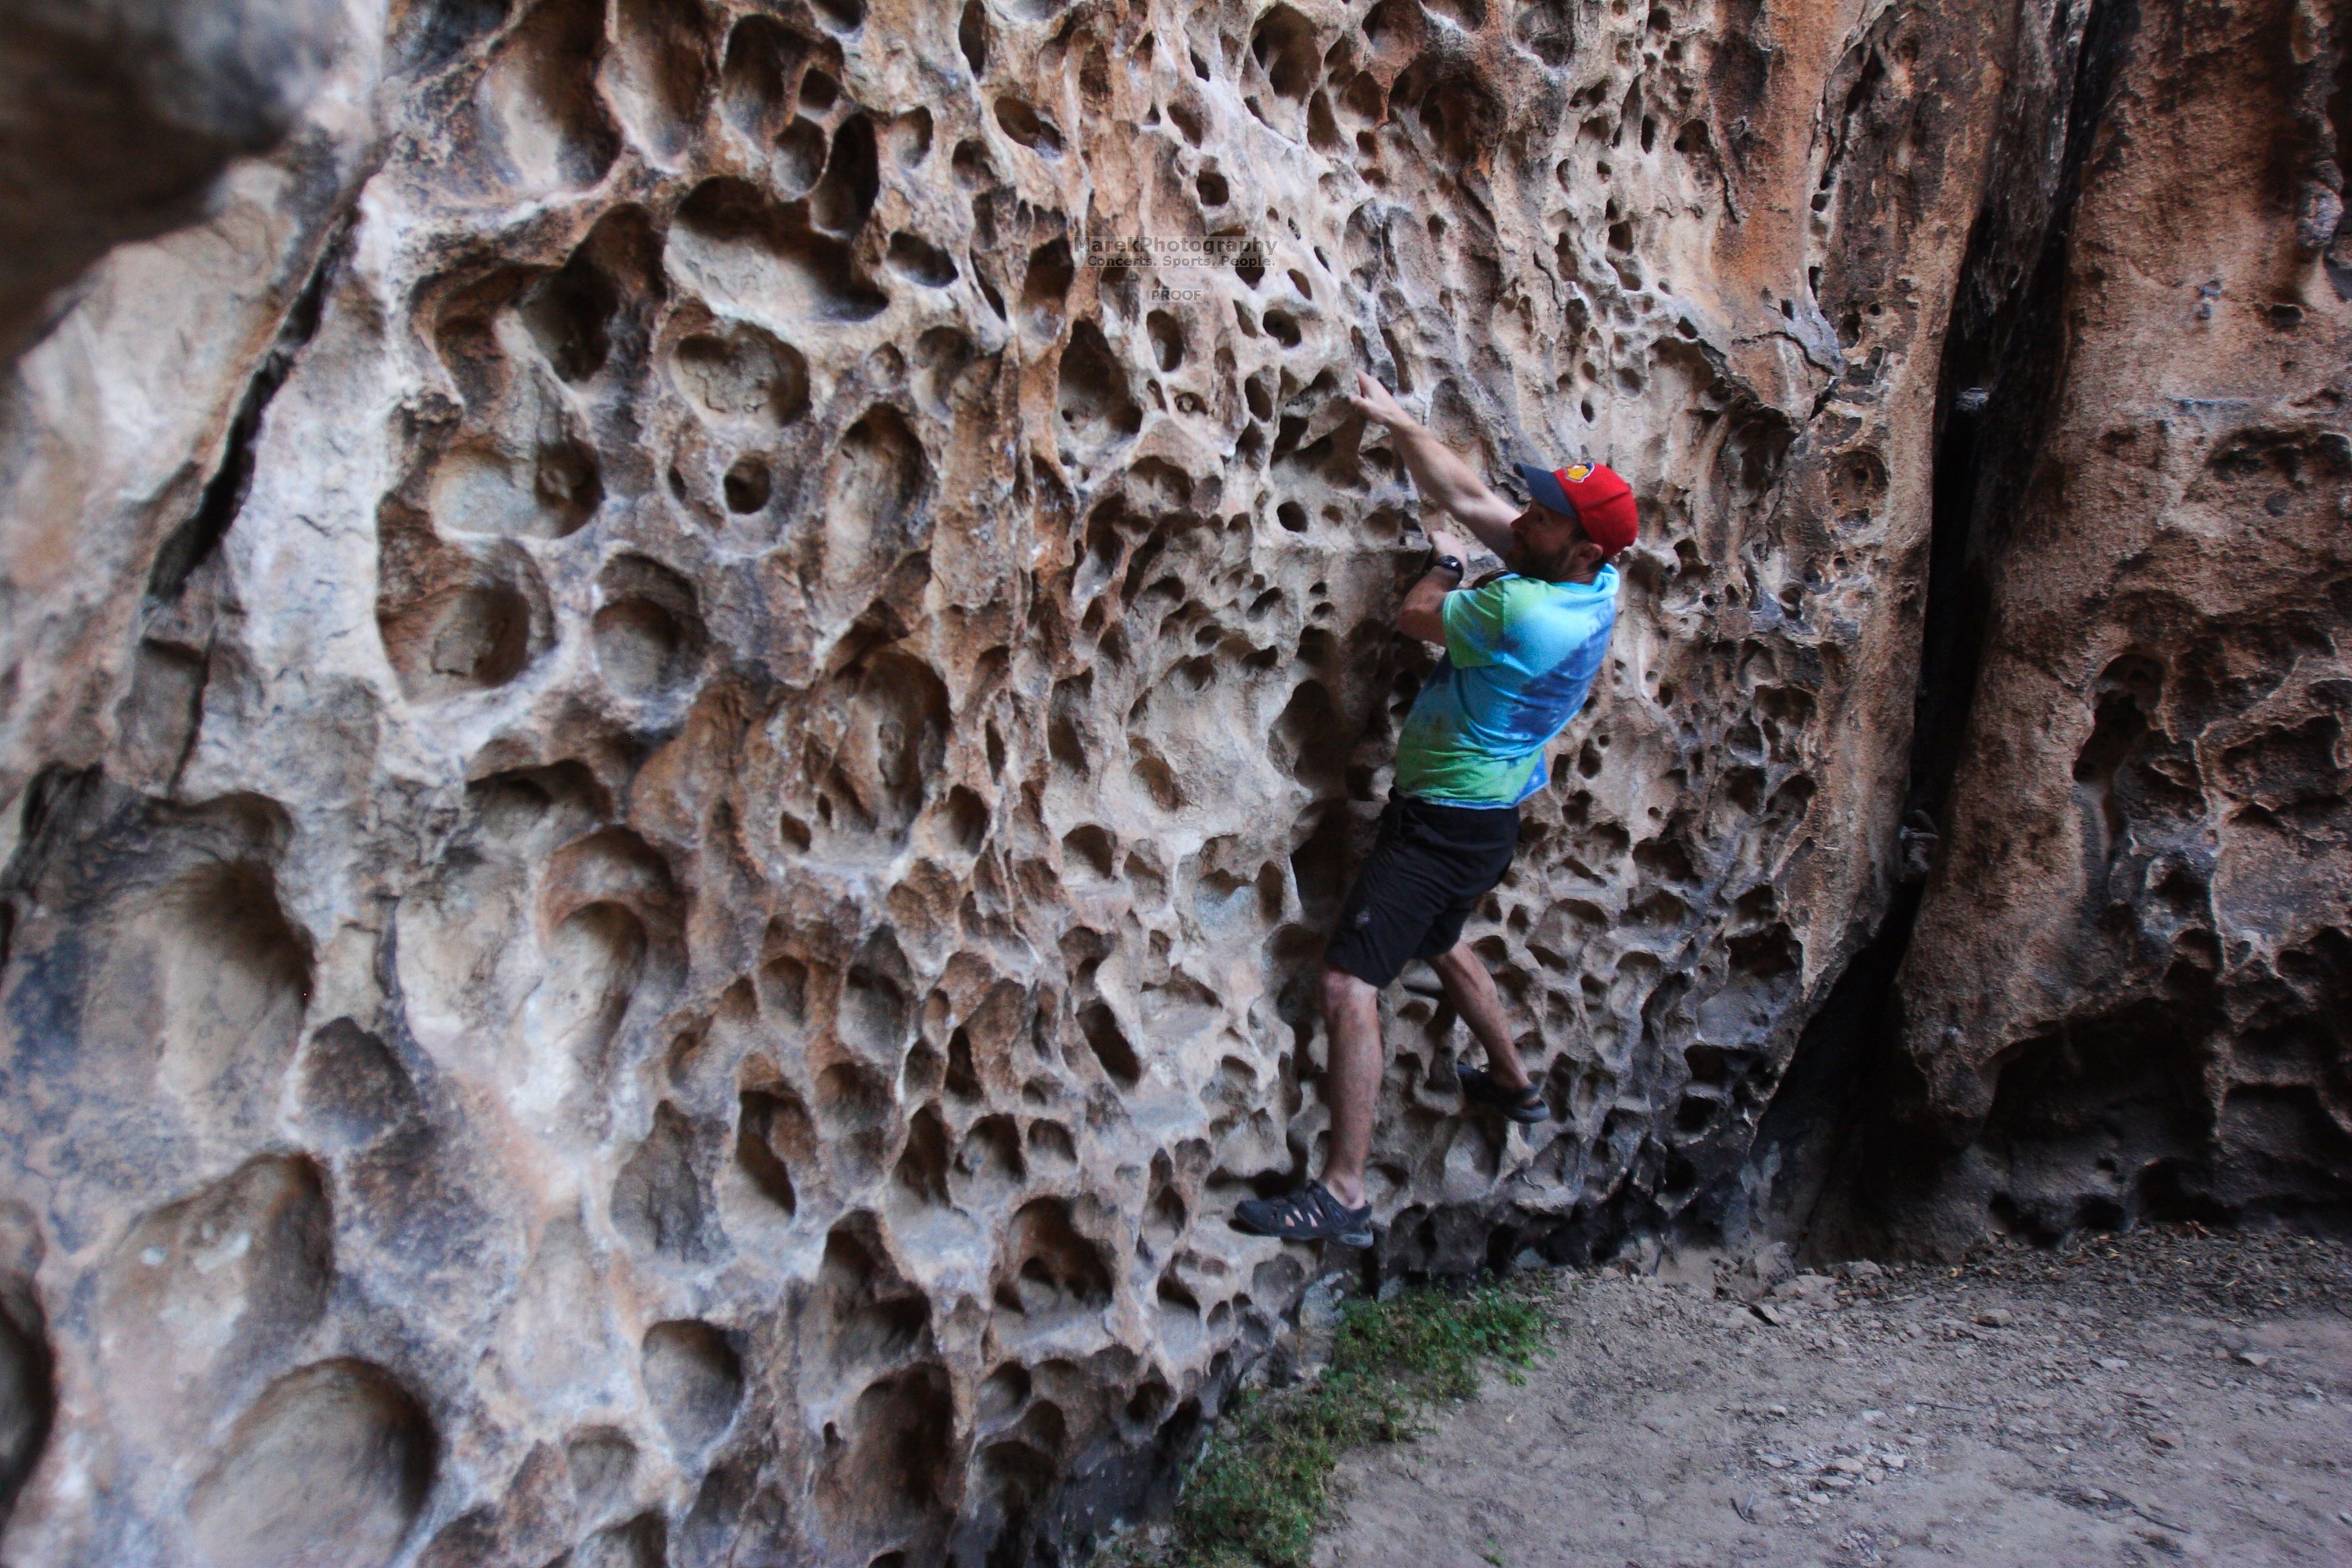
x: 1261, y: 1489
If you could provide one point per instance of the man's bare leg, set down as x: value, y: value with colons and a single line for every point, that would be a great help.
x: 1351, y: 1083
x: 1471, y: 991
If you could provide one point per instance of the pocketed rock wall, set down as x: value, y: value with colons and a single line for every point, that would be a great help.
x: 675, y: 778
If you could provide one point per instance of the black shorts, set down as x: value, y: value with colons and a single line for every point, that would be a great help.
x: 1427, y: 870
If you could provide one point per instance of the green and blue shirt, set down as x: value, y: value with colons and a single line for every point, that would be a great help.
x: 1520, y: 657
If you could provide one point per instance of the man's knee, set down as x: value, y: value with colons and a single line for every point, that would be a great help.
x: 1457, y: 960
x: 1342, y: 990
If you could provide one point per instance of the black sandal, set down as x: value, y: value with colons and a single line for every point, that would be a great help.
x: 1310, y: 1213
x: 1526, y: 1105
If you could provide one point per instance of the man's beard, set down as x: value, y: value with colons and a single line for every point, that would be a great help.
x: 1527, y: 563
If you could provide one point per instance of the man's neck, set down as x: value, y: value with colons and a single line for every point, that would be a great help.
x: 1590, y: 575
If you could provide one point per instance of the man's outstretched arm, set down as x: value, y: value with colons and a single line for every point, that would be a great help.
x: 1440, y: 476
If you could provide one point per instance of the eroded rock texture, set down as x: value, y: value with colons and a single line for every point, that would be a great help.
x: 676, y: 776
x: 2125, y: 992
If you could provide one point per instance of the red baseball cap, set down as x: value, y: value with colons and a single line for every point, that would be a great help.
x: 1592, y: 494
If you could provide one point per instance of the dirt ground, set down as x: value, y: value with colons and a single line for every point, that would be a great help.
x: 2166, y: 1397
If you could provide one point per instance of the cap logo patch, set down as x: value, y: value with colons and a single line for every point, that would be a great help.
x: 1578, y: 472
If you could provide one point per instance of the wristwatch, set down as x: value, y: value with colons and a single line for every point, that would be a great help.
x: 1448, y: 564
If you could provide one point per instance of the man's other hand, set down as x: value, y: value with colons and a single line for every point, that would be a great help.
x: 1443, y: 544
x: 1375, y: 403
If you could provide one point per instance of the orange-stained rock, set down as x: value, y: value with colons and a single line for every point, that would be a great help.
x: 2126, y: 991
x: 676, y: 739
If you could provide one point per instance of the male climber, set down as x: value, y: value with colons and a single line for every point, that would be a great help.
x: 1521, y: 650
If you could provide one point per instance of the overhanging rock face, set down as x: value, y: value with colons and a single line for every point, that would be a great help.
x: 679, y: 747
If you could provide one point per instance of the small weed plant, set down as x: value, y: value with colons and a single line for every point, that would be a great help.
x: 1261, y: 1487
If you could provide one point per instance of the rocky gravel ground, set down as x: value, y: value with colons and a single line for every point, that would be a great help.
x: 2165, y: 1396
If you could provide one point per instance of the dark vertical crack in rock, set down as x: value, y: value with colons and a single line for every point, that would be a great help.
x: 2004, y: 363
x: 1822, y: 1146
x: 193, y: 542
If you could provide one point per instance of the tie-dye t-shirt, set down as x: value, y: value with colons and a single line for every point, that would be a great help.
x: 1520, y: 655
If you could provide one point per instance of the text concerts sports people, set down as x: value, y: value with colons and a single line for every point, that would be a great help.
x: 1521, y: 650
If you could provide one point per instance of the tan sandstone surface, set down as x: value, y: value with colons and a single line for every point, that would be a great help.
x: 673, y: 748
